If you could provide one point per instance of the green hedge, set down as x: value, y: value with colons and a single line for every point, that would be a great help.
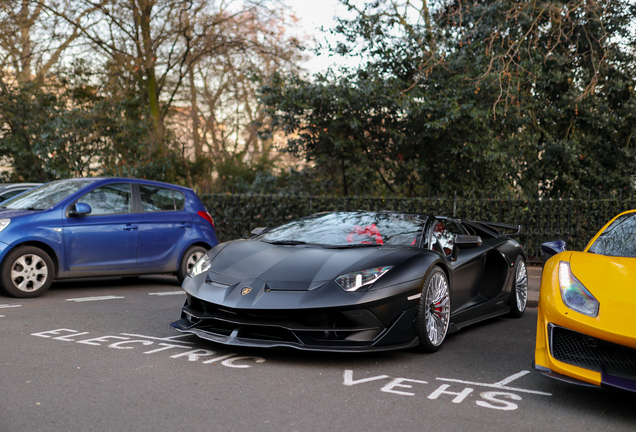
x: 573, y: 219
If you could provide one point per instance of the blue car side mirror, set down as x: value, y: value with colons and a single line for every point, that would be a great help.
x: 81, y: 209
x: 549, y: 249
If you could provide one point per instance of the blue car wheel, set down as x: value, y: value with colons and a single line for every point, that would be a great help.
x: 27, y: 271
x: 190, y: 258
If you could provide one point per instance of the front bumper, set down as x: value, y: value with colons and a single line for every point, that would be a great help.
x: 582, y: 359
x: 598, y: 351
x: 320, y: 329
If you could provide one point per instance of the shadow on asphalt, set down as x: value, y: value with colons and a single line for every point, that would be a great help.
x: 117, y: 282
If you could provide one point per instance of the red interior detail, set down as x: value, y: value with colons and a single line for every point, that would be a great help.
x: 367, y: 230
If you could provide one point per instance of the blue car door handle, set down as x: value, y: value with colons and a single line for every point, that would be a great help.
x: 184, y: 225
x: 130, y: 227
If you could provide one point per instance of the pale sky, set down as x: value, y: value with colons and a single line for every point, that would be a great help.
x: 313, y: 15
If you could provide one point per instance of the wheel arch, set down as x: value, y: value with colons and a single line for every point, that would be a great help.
x: 46, y: 248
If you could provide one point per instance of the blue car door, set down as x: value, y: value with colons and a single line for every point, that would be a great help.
x: 164, y: 227
x: 108, y: 237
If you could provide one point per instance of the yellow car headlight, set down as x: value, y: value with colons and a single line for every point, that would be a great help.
x: 574, y: 294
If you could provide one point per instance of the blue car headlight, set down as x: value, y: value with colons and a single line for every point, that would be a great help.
x: 574, y: 294
x: 201, y: 266
x: 4, y: 223
x: 355, y: 280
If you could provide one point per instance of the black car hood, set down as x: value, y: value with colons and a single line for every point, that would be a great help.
x: 296, y: 267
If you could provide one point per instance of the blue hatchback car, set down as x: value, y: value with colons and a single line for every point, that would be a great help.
x: 92, y: 227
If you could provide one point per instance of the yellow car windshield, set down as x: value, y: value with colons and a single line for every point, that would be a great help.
x: 619, y: 239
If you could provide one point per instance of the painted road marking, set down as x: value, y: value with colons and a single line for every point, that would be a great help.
x: 6, y: 306
x: 167, y: 339
x: 129, y: 341
x: 501, y: 384
x: 167, y: 293
x: 497, y: 400
x: 86, y: 299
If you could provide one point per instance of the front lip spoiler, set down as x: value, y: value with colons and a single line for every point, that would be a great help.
x: 234, y: 340
x: 560, y: 377
x: 607, y: 380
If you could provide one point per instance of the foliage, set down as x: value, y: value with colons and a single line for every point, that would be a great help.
x: 493, y: 94
x: 162, y: 89
x: 73, y: 130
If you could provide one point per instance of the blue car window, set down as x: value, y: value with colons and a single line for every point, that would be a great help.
x: 11, y: 194
x: 114, y: 198
x: 179, y: 200
x: 154, y: 198
x: 47, y: 195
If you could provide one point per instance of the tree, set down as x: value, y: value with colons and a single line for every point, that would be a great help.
x: 493, y: 94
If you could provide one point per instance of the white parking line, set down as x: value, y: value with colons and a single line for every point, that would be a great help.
x: 501, y: 384
x: 4, y: 306
x: 85, y: 299
x: 167, y: 339
x: 167, y: 293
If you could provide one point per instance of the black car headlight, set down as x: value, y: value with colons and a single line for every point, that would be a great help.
x: 201, y: 266
x: 355, y: 280
x: 574, y: 294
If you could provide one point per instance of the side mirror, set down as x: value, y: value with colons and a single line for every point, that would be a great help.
x: 80, y: 209
x: 259, y: 230
x: 549, y: 249
x: 465, y: 242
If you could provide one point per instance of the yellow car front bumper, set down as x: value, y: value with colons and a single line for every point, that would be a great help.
x: 573, y: 347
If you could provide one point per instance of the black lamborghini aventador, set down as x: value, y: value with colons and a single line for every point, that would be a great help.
x: 355, y: 281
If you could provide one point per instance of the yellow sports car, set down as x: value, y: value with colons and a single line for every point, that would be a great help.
x: 586, y: 330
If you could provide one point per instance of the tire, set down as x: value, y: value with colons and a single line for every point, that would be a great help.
x: 190, y: 258
x: 519, y: 293
x: 433, y: 314
x: 27, y: 271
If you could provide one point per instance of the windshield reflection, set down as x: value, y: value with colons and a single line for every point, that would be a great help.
x: 350, y: 228
x: 46, y: 196
x: 619, y: 239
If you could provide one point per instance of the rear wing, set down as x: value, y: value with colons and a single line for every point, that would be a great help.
x: 497, y: 228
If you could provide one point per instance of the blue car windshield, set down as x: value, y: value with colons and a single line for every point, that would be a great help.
x: 46, y: 196
x: 618, y: 239
x: 350, y: 229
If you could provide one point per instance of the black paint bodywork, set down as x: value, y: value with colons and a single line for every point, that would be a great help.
x: 293, y: 300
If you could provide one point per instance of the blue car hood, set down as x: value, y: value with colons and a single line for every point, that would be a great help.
x: 11, y: 213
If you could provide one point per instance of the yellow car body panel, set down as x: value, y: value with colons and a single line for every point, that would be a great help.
x: 612, y: 281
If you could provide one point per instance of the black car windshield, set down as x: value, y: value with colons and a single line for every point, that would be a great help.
x: 619, y: 239
x: 47, y: 195
x: 350, y: 229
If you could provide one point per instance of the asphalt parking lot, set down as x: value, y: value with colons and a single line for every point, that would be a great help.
x: 100, y: 355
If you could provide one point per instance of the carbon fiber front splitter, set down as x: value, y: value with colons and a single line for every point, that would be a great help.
x: 234, y: 337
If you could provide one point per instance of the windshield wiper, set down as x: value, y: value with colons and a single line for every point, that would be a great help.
x: 34, y: 209
x: 285, y: 242
x: 355, y: 245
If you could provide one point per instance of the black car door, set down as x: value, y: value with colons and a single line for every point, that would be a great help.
x: 467, y: 269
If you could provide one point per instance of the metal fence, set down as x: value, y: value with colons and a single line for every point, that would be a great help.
x: 573, y: 219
